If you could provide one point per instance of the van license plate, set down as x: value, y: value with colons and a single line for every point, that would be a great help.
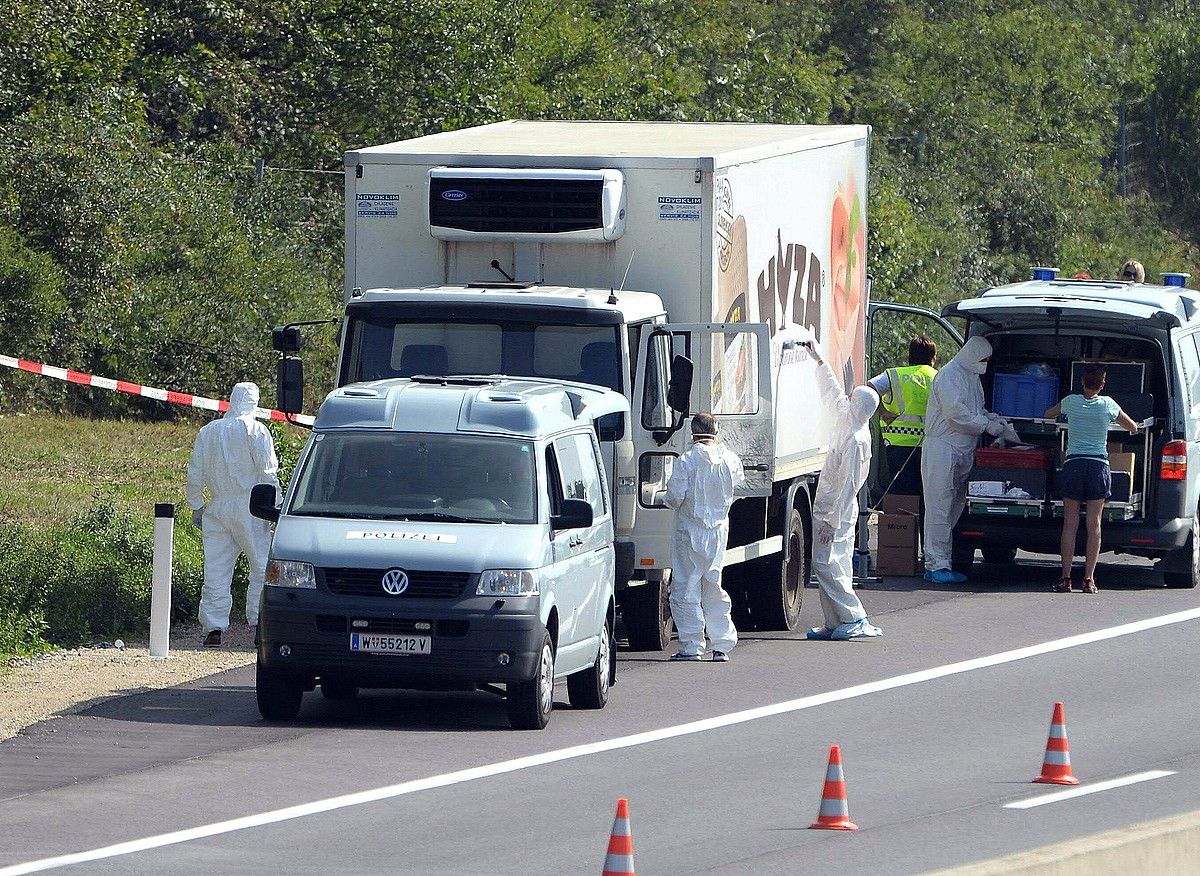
x: 390, y: 644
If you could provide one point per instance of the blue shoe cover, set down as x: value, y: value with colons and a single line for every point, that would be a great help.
x: 945, y: 576
x: 822, y: 633
x: 860, y: 629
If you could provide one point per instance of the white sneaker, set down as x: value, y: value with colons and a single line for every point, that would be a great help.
x: 682, y: 657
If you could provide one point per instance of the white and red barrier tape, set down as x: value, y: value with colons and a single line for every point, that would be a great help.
x: 166, y: 395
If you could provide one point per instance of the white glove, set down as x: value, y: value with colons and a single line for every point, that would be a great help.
x: 992, y: 416
x: 1010, y: 434
x: 996, y: 428
x: 198, y: 517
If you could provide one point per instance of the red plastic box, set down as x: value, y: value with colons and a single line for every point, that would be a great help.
x: 996, y: 457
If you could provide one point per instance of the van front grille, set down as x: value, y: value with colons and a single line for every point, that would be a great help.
x: 421, y: 585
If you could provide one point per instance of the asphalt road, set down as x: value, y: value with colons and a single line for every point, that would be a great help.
x: 931, y: 757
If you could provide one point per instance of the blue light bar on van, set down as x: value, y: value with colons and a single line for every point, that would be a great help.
x: 1040, y: 273
x: 1177, y: 280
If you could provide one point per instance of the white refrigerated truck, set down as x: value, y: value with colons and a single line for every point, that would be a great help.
x: 681, y: 264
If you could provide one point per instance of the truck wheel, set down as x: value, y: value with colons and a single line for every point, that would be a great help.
x: 588, y: 689
x: 279, y: 696
x: 646, y: 611
x: 999, y: 554
x: 335, y: 688
x: 1190, y: 565
x: 774, y: 586
x: 530, y: 702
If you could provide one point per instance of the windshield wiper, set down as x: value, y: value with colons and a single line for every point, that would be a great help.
x: 341, y: 515
x: 442, y: 517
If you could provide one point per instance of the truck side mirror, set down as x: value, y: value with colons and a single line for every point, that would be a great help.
x: 574, y: 514
x: 262, y: 503
x: 286, y: 338
x: 679, y: 390
x: 289, y: 384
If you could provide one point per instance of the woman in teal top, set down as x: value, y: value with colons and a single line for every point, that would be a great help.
x: 1086, y: 479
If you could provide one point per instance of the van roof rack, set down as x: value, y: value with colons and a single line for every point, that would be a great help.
x: 518, y: 285
x: 452, y: 381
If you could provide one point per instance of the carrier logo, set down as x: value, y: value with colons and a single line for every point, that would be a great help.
x: 454, y: 195
x: 394, y: 582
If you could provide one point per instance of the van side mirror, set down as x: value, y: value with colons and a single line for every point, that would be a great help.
x: 289, y: 384
x: 679, y: 390
x: 575, y: 514
x: 263, y: 501
x: 610, y: 427
x: 286, y: 338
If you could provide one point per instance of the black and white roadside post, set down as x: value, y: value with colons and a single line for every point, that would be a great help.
x: 160, y: 585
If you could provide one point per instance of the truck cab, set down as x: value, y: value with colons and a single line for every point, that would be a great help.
x: 444, y: 532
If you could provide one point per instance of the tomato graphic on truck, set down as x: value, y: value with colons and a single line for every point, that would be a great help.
x: 848, y: 269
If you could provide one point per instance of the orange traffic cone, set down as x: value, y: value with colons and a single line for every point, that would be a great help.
x: 1056, y: 767
x: 619, y: 860
x: 835, y: 811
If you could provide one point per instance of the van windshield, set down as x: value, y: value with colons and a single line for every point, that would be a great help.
x: 418, y: 476
x: 382, y: 346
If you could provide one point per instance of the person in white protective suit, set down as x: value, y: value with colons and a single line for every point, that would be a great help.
x: 835, y: 506
x: 954, y: 420
x: 230, y: 457
x: 701, y: 490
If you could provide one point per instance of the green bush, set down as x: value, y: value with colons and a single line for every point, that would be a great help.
x: 91, y: 580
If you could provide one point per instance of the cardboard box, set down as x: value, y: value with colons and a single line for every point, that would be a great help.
x: 897, y: 561
x: 898, y: 530
x: 895, y: 504
x: 1121, y: 462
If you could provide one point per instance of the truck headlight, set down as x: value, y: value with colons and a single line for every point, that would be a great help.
x: 290, y: 573
x: 508, y: 582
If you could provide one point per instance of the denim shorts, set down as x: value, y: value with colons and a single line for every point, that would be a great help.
x: 1085, y: 479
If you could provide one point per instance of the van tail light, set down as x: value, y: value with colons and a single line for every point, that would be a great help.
x: 1174, y: 461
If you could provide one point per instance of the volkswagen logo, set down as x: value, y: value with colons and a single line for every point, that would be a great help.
x: 394, y: 582
x: 454, y: 195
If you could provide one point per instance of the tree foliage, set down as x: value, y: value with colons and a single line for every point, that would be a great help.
x: 137, y: 239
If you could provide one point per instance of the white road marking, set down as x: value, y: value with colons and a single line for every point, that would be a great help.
x: 1084, y: 790
x: 522, y: 763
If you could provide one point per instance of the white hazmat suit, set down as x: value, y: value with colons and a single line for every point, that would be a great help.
x: 230, y: 457
x: 835, y: 507
x: 701, y: 491
x: 954, y: 420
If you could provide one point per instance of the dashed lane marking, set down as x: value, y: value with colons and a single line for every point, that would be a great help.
x: 577, y: 751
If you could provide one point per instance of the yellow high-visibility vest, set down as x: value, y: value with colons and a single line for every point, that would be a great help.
x: 907, y: 398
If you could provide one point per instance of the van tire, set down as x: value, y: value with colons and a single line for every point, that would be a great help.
x: 531, y: 702
x: 1001, y: 555
x: 646, y: 612
x: 775, y: 585
x: 279, y: 696
x: 588, y: 689
x: 1190, y: 556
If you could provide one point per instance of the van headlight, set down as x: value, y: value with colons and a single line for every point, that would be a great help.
x: 508, y: 582
x: 290, y: 573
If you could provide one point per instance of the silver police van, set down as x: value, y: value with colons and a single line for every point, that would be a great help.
x: 443, y: 534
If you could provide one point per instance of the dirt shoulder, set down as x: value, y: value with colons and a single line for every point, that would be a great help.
x: 63, y: 682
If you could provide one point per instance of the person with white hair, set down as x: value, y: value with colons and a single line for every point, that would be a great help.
x: 954, y: 419
x: 230, y: 457
x: 835, y: 506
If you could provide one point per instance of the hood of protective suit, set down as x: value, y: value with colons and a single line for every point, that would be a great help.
x: 863, y: 402
x: 972, y: 351
x: 243, y: 400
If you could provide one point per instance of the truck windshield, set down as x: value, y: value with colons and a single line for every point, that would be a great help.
x: 418, y: 476
x: 379, y: 347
